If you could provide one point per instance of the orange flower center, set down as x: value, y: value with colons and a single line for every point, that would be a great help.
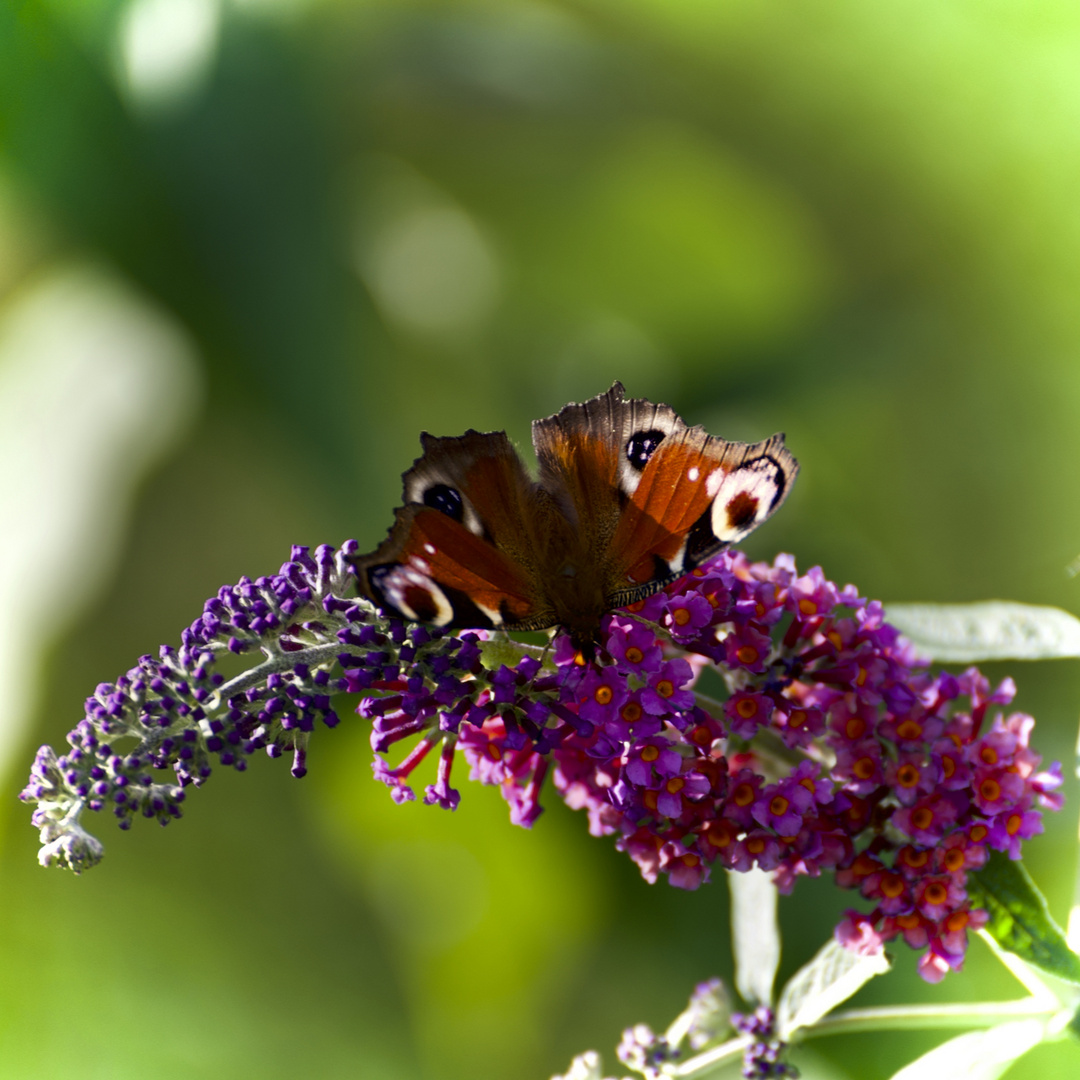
x: 675, y: 785
x: 797, y: 718
x: 603, y: 695
x: 650, y: 753
x: 910, y: 729
x: 746, y: 707
x: 892, y: 885
x: 954, y: 860
x: 990, y: 789
x: 807, y: 607
x: 634, y: 655
x: 908, y: 775
x: 1012, y: 825
x: 743, y: 795
x: 701, y: 735
x: 755, y: 845
x: 681, y: 616
x: 855, y: 727
x: 778, y: 806
x: 916, y: 859
x: 923, y: 818
x: 630, y: 712
x: 988, y: 755
x: 665, y: 688
x: 907, y: 922
x: 746, y: 654
x: 978, y: 833
x: 948, y: 766
x: 936, y: 893
x: 957, y: 921
x: 719, y: 835
x: 864, y: 768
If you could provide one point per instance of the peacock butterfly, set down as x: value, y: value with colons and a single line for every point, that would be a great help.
x: 629, y: 499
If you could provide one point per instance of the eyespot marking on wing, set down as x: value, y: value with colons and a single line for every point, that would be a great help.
x: 641, y: 446
x: 449, y: 501
x: 412, y: 593
x: 745, y: 497
x: 741, y: 510
x: 446, y: 500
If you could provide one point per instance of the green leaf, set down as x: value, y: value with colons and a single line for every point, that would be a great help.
x: 1020, y: 920
x: 755, y: 934
x: 992, y: 630
x: 976, y: 1055
x: 831, y: 977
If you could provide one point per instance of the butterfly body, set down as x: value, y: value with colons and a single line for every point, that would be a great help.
x: 629, y: 498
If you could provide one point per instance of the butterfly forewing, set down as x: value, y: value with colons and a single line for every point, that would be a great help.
x: 697, y: 495
x: 460, y: 553
x: 584, y: 463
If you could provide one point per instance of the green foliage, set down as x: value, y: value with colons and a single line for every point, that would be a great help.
x: 1020, y: 921
x: 853, y: 222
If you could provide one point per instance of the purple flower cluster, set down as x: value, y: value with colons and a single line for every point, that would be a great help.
x: 821, y: 745
x: 833, y: 749
x: 705, y: 1020
x: 176, y: 713
x: 764, y: 1056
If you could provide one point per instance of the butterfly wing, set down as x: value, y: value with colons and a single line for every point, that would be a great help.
x: 657, y: 498
x: 696, y: 496
x: 587, y: 458
x: 460, y: 552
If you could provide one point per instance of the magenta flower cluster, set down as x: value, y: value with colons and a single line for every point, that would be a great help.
x: 833, y: 749
x: 745, y: 716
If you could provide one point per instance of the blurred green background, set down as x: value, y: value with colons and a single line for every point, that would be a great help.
x: 248, y: 250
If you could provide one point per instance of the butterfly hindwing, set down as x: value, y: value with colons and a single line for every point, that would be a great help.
x: 459, y: 554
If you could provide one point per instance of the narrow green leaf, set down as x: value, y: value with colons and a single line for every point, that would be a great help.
x: 976, y: 1055
x: 830, y: 978
x: 755, y: 934
x: 1020, y: 921
x: 992, y: 630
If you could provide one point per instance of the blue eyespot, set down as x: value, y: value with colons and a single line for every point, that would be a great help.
x: 642, y: 446
x: 446, y: 500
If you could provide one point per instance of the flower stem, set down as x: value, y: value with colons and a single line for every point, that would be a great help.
x: 976, y: 1014
x: 882, y: 1018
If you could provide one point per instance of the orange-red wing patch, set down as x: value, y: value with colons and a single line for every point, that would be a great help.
x: 675, y: 489
x: 453, y: 557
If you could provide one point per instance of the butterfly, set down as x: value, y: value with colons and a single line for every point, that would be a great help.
x: 629, y: 499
